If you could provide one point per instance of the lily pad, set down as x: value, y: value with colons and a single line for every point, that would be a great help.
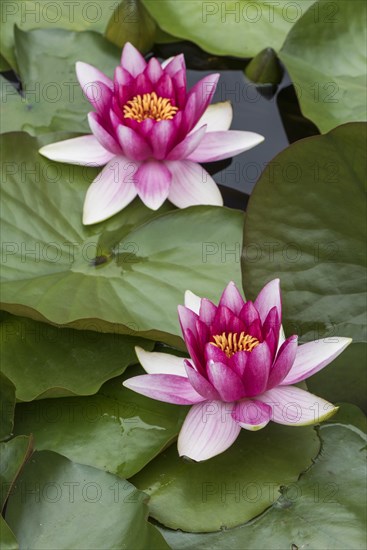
x: 52, y: 263
x: 238, y: 28
x: 132, y: 23
x: 7, y: 538
x: 231, y: 488
x: 59, y: 504
x: 13, y: 456
x: 30, y: 14
x: 326, y: 58
x: 45, y: 361
x: 52, y: 97
x: 7, y: 404
x: 305, y: 224
x: 326, y: 508
x: 116, y: 430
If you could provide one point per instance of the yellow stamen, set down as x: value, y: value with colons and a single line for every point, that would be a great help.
x: 232, y: 343
x: 149, y: 106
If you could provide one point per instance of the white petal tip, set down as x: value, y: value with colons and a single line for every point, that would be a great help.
x: 192, y: 301
x: 140, y: 353
x: 253, y: 427
x: 44, y: 152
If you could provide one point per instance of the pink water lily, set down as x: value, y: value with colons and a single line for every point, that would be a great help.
x: 241, y: 372
x: 151, y: 133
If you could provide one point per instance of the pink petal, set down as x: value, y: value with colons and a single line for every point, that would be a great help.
x: 179, y: 85
x: 249, y: 313
x: 257, y: 370
x: 187, y: 318
x: 199, y: 383
x: 194, y: 349
x: 296, y: 407
x: 226, y: 382
x: 144, y: 128
x: 192, y: 301
x: 154, y: 70
x: 100, y: 96
x: 251, y: 414
x: 110, y: 192
x: 255, y: 330
x: 272, y: 321
x: 161, y: 137
x: 166, y: 61
x: 313, y: 357
x: 164, y: 87
x: 207, y: 431
x: 207, y: 311
x: 223, y: 145
x: 217, y: 117
x: 232, y: 298
x: 203, y: 92
x: 174, y: 64
x: 269, y: 297
x: 272, y: 340
x: 84, y: 150
x: 284, y: 362
x: 134, y: 146
x: 160, y: 363
x: 215, y: 354
x: 88, y: 75
x: 143, y: 85
x: 165, y: 387
x: 203, y: 333
x: 226, y: 321
x: 189, y: 144
x: 189, y: 118
x: 103, y: 136
x: 123, y: 85
x: 132, y: 60
x: 152, y: 181
x: 192, y: 185
x: 238, y: 362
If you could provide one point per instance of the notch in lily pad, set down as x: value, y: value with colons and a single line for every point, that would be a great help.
x: 131, y: 22
x: 265, y: 70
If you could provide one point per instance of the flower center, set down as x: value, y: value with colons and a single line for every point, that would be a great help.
x: 232, y: 343
x: 149, y: 106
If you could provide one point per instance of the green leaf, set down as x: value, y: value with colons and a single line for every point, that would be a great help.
x: 46, y: 361
x: 52, y: 96
x: 13, y: 455
x: 52, y: 263
x: 237, y: 28
x: 325, y: 55
x: 231, y: 488
x: 345, y: 378
x: 324, y: 509
x: 7, y: 538
x: 305, y: 224
x: 30, y: 14
x: 163, y: 37
x: 265, y: 68
x: 116, y: 430
x: 4, y: 65
x: 131, y: 22
x: 7, y: 404
x: 351, y: 416
x: 59, y: 504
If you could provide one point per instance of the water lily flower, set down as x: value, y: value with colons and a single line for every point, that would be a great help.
x: 241, y: 372
x: 151, y: 133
